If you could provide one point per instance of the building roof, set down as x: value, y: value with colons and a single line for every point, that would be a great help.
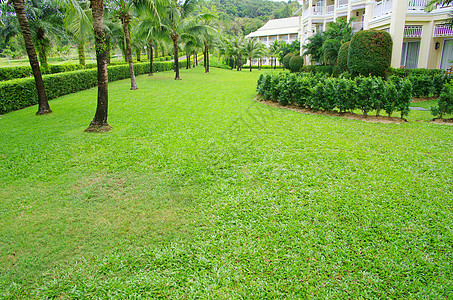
x: 277, y: 26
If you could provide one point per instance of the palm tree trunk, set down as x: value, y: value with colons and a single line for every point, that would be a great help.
x: 138, y: 55
x: 81, y: 52
x: 187, y: 61
x: 194, y: 58
x: 43, y: 104
x: 175, y: 46
x: 151, y: 58
x: 99, y: 122
x: 250, y: 64
x: 109, y: 49
x: 206, y: 51
x: 125, y: 21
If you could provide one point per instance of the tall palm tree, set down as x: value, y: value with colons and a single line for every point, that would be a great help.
x: 208, y: 34
x: 251, y: 49
x: 123, y: 10
x: 43, y: 104
x: 79, y: 22
x: 99, y: 122
x: 46, y: 20
x: 179, y: 21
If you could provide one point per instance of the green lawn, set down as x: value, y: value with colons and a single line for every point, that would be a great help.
x: 201, y: 192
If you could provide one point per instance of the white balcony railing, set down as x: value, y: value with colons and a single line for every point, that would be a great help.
x: 413, y: 31
x: 318, y: 9
x: 343, y: 3
x: 382, y: 8
x: 443, y: 30
x: 417, y: 4
x: 357, y: 26
x: 330, y: 9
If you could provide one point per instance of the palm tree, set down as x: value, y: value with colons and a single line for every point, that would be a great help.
x: 45, y: 18
x: 43, y: 104
x: 79, y: 22
x: 251, y: 49
x: 178, y: 21
x: 314, y: 47
x: 99, y: 122
x: 123, y: 10
x: 208, y: 35
x: 150, y: 30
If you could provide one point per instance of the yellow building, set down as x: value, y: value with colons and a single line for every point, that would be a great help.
x: 420, y: 39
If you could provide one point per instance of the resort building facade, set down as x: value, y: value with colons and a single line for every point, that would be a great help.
x: 420, y: 39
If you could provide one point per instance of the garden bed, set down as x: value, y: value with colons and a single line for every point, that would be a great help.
x: 346, y: 115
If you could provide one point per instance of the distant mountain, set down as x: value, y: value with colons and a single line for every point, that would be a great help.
x: 240, y: 17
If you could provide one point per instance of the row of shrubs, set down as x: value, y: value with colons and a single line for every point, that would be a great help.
x: 19, y: 93
x: 10, y: 73
x: 425, y: 82
x: 319, y: 92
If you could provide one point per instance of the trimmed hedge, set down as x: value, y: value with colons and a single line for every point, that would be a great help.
x: 10, y: 73
x: 19, y: 93
x: 445, y: 102
x: 296, y: 63
x: 343, y: 57
x: 286, y: 59
x: 319, y: 92
x: 370, y: 53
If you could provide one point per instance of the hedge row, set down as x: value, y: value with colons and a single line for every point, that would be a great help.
x: 319, y: 92
x: 19, y: 93
x: 10, y: 73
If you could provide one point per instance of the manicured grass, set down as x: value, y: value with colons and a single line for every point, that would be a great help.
x: 201, y: 192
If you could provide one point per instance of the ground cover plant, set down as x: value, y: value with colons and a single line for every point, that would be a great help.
x: 199, y: 191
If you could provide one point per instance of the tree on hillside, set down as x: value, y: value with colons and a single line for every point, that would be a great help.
x: 99, y: 122
x: 43, y: 104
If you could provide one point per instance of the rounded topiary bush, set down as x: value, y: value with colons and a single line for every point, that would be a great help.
x: 295, y: 63
x: 286, y: 60
x: 370, y: 53
x: 343, y: 57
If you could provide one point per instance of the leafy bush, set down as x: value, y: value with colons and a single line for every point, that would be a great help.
x: 295, y: 63
x: 445, y: 102
x: 319, y: 92
x: 343, y: 57
x: 370, y: 53
x: 286, y: 60
x: 19, y: 93
x: 422, y: 85
x: 10, y: 73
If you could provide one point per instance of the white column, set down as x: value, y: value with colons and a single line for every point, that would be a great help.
x: 335, y: 5
x: 397, y: 23
x: 426, y: 45
x: 348, y: 17
x: 368, y: 14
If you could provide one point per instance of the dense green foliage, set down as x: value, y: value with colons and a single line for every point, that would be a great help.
x: 240, y: 17
x: 9, y: 73
x: 343, y: 57
x: 319, y: 92
x: 445, y: 102
x: 296, y: 63
x: 370, y: 53
x: 19, y: 93
x: 286, y: 59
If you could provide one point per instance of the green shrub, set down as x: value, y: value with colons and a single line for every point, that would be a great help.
x: 422, y: 85
x: 19, y: 93
x: 445, y: 102
x: 345, y: 95
x: 404, y: 98
x: 286, y: 60
x: 370, y: 53
x: 295, y: 63
x: 364, y: 94
x: 378, y: 95
x: 342, y: 59
x: 10, y: 73
x: 304, y: 91
x: 327, y: 70
x: 391, y: 95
